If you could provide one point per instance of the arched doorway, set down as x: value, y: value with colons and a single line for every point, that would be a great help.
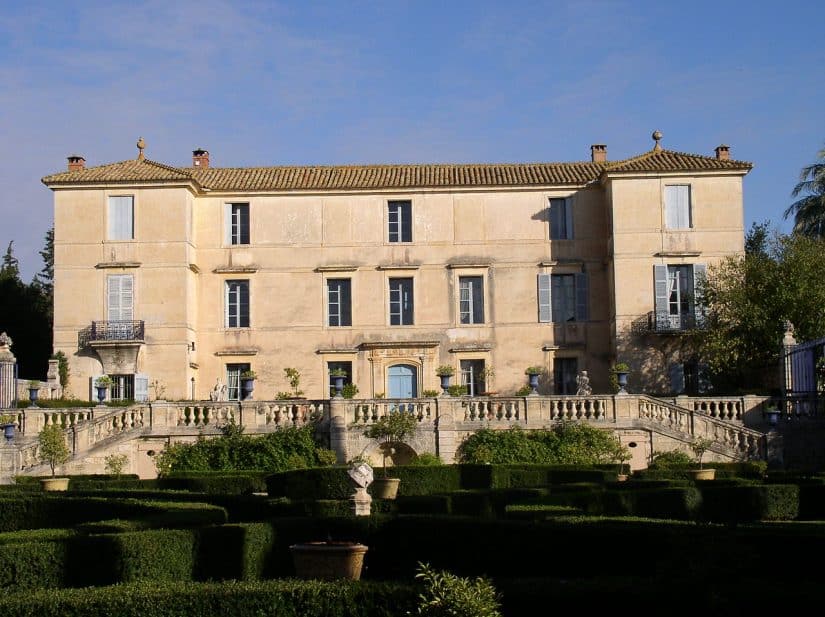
x: 402, y: 381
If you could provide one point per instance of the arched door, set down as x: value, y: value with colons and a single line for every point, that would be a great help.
x: 402, y: 381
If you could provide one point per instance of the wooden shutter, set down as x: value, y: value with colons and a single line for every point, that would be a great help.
x: 582, y: 297
x: 121, y: 218
x: 545, y: 306
x: 568, y: 219
x: 699, y: 275
x: 120, y: 297
x: 677, y: 206
x: 227, y: 224
x: 660, y: 293
x: 141, y: 388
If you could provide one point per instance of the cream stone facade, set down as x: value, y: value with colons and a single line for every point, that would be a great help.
x: 174, y: 278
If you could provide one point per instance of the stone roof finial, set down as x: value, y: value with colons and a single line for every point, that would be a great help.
x: 657, y: 137
x: 141, y: 146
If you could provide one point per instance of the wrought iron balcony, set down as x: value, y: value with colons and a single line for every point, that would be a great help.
x: 110, y: 331
x: 665, y: 323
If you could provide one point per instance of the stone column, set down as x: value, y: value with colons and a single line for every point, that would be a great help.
x: 788, y: 345
x: 445, y: 433
x: 8, y: 380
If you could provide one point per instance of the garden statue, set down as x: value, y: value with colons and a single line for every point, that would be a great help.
x: 361, y: 474
x: 218, y: 392
x: 583, y: 384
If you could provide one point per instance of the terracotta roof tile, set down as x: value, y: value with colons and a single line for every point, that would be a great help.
x: 366, y: 177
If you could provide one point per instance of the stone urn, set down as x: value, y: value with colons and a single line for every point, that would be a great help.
x: 385, y: 488
x: 328, y: 560
x: 702, y: 474
x: 338, y: 381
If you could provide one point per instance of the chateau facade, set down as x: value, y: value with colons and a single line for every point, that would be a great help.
x: 172, y: 279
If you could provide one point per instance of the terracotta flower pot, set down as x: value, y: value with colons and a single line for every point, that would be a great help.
x: 328, y: 560
x: 385, y: 488
x: 702, y: 474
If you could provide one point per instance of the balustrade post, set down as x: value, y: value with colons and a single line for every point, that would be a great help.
x: 339, y: 438
x: 10, y: 463
x: 625, y: 407
x: 445, y: 433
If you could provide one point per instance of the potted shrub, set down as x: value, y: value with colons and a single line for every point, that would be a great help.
x: 34, y: 388
x: 486, y: 375
x: 618, y: 377
x: 445, y: 372
x: 349, y: 390
x: 457, y: 390
x: 293, y: 376
x: 338, y: 375
x: 103, y: 384
x: 328, y: 560
x: 53, y: 451
x: 700, y: 445
x: 248, y: 383
x: 533, y: 373
x: 391, y: 429
x: 7, y: 423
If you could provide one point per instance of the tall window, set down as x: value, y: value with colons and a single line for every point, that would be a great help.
x: 471, y: 299
x: 401, y: 302
x: 233, y: 380
x: 123, y: 388
x: 564, y: 297
x: 564, y: 375
x: 121, y: 217
x: 677, y: 206
x: 472, y: 376
x: 120, y: 297
x: 236, y: 224
x: 561, y: 219
x: 678, y: 305
x: 237, y: 304
x: 339, y: 302
x: 336, y: 366
x: 399, y: 218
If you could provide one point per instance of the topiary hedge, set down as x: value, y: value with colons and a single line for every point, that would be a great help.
x: 736, y: 504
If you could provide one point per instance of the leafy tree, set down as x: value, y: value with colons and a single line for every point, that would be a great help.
x: 749, y: 298
x: 809, y: 210
x: 393, y: 428
x: 11, y: 266
x: 53, y: 448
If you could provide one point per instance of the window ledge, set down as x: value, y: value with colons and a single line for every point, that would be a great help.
x: 678, y: 253
x: 480, y: 347
x: 236, y: 269
x: 338, y: 268
x: 236, y: 352
x: 336, y: 350
x: 470, y: 264
x: 398, y: 266
x: 118, y: 264
x: 561, y: 262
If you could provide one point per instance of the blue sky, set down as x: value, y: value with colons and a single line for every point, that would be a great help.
x: 269, y: 83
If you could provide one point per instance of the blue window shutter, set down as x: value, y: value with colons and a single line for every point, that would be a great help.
x: 677, y: 378
x: 568, y: 219
x: 661, y: 293
x: 700, y: 272
x: 582, y: 297
x: 141, y: 388
x: 545, y: 307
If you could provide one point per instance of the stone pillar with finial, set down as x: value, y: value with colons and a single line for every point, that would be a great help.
x: 787, y: 349
x: 657, y: 137
x: 141, y: 145
x: 8, y: 378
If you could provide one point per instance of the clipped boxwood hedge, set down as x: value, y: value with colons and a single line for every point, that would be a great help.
x: 284, y: 598
x: 224, y: 483
x: 736, y: 504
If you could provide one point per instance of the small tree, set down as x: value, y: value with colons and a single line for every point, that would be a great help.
x: 395, y: 427
x: 53, y: 448
x: 699, y: 446
x: 115, y: 463
x: 293, y: 376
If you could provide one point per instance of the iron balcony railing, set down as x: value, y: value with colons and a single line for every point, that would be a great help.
x: 665, y: 323
x: 111, y: 331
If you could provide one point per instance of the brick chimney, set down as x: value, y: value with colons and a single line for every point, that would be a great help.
x: 200, y: 158
x: 598, y: 153
x: 76, y: 162
x: 723, y: 152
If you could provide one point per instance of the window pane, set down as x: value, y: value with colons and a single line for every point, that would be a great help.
x: 237, y: 304
x: 339, y: 302
x: 401, y: 302
x: 399, y: 219
x: 471, y: 299
x: 563, y: 295
x: 239, y: 223
x: 559, y: 219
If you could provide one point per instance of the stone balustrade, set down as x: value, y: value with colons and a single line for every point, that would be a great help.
x: 443, y: 419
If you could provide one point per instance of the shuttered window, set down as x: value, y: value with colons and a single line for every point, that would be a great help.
x: 237, y: 304
x: 236, y: 223
x: 678, y: 302
x: 677, y: 206
x: 563, y: 297
x: 561, y: 219
x: 471, y: 299
x: 120, y: 297
x: 121, y: 218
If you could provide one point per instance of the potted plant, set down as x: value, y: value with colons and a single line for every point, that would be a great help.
x: 293, y: 376
x: 34, y: 388
x: 103, y: 384
x: 445, y: 372
x: 248, y: 383
x: 486, y: 375
x: 700, y: 445
x: 618, y: 377
x: 391, y: 429
x: 533, y: 373
x: 338, y: 375
x: 622, y: 455
x: 7, y: 423
x: 349, y: 390
x: 53, y: 451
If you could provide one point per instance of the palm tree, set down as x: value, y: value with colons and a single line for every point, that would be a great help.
x: 809, y: 212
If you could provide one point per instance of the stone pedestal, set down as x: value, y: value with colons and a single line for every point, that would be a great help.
x: 361, y: 502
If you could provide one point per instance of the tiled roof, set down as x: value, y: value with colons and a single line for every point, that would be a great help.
x: 668, y: 160
x: 355, y: 177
